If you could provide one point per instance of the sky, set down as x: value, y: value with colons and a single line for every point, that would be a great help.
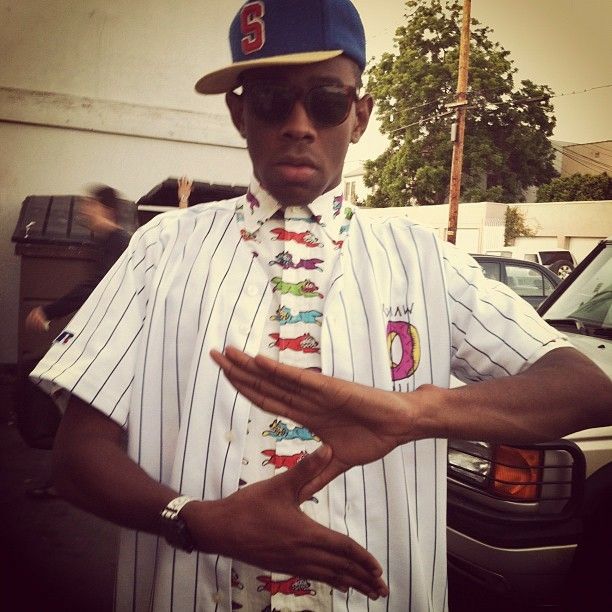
x: 565, y: 44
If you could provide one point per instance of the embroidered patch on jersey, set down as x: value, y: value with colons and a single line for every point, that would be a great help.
x: 282, y: 461
x: 306, y: 238
x: 304, y: 343
x: 64, y: 338
x: 279, y: 430
x: 252, y: 200
x: 404, y: 349
x: 285, y: 316
x: 291, y: 586
x: 337, y: 205
x: 305, y: 288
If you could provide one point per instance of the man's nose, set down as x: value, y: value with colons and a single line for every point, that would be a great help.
x: 298, y: 124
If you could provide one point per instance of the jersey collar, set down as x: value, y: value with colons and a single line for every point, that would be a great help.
x: 329, y: 210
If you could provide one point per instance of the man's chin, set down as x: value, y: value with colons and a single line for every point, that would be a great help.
x: 294, y: 194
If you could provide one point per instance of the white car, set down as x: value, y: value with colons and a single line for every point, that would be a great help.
x: 530, y: 528
x: 559, y: 261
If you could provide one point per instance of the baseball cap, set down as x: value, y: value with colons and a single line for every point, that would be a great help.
x: 285, y: 32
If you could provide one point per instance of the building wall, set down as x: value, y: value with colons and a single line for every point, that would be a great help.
x: 102, y: 91
x: 588, y: 158
x: 577, y: 226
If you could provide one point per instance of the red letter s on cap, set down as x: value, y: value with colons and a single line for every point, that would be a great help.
x: 252, y: 26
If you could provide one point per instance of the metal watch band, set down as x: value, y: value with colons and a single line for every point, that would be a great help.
x: 174, y: 506
x: 173, y: 527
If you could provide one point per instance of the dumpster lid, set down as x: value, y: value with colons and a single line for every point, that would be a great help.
x: 165, y: 194
x: 51, y: 219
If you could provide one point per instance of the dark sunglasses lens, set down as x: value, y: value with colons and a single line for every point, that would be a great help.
x: 269, y: 103
x: 329, y: 105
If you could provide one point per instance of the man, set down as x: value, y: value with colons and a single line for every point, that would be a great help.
x: 98, y: 212
x: 293, y: 272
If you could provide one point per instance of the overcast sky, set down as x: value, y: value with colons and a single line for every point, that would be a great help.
x: 565, y: 44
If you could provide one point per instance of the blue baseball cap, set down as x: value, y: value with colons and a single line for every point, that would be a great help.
x: 285, y: 32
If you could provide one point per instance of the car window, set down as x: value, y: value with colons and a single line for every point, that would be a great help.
x: 491, y: 269
x: 526, y: 281
x: 550, y: 257
x: 589, y: 298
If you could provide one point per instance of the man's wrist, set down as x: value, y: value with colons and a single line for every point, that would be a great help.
x: 173, y: 526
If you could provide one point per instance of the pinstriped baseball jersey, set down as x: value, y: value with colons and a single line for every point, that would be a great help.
x: 402, y: 309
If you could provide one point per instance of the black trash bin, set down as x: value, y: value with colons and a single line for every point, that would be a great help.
x: 55, y: 254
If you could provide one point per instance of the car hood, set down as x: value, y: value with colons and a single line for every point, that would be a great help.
x: 596, y: 349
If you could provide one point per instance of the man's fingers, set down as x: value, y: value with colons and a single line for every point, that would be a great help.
x: 252, y: 383
x: 306, y: 470
x: 332, y: 470
x: 343, y: 563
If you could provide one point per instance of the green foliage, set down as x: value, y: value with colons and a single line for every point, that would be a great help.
x: 516, y: 225
x: 506, y: 144
x: 577, y: 187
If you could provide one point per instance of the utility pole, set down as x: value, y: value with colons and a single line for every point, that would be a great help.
x: 458, y: 129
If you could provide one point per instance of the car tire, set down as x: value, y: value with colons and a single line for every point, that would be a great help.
x: 562, y: 268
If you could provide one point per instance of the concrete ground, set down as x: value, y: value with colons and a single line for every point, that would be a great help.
x: 53, y: 557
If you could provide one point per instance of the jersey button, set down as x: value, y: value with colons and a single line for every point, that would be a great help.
x: 251, y: 290
x: 230, y: 436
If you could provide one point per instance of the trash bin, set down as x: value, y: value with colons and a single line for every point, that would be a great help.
x: 164, y: 196
x: 55, y: 254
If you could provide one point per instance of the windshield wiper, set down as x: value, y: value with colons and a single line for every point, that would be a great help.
x: 575, y: 325
x: 585, y: 328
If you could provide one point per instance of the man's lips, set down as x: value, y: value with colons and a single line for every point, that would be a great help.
x: 296, y: 169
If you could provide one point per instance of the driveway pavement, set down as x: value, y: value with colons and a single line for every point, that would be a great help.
x: 53, y: 557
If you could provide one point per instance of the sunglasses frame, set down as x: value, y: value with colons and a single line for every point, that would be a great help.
x: 304, y: 95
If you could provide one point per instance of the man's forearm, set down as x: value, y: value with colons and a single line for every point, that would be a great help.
x: 92, y: 471
x: 561, y: 393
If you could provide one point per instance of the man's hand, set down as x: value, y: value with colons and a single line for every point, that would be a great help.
x: 361, y: 424
x: 37, y: 320
x: 262, y: 524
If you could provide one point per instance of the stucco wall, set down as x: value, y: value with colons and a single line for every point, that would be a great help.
x: 102, y: 91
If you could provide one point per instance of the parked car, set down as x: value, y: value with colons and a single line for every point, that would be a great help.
x: 559, y: 261
x: 532, y: 281
x: 530, y: 528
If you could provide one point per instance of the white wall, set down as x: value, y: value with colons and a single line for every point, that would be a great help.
x: 102, y: 91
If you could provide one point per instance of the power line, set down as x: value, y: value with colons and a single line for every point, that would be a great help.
x: 484, y: 102
x: 584, y: 160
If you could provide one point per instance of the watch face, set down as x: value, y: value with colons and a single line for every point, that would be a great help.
x: 177, y: 535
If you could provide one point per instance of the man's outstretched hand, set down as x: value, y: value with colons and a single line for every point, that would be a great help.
x: 262, y: 524
x: 361, y: 424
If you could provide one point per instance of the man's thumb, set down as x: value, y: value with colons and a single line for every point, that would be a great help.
x: 308, y: 470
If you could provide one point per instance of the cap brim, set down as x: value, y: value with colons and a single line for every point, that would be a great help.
x: 226, y: 79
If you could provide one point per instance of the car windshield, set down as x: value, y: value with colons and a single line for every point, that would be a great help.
x: 588, y: 300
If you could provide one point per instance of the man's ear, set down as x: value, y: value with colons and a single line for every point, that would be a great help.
x: 236, y: 106
x: 363, y: 110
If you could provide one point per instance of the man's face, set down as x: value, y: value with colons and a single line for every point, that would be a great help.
x: 295, y: 159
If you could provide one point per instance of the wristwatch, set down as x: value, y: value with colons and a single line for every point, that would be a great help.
x: 173, y: 527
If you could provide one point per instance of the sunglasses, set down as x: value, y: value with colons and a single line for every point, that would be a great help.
x: 325, y: 105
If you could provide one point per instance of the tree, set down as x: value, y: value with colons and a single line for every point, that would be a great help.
x: 506, y: 145
x: 577, y: 187
x: 515, y: 225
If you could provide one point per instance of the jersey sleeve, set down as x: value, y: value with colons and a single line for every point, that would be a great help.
x: 94, y: 357
x: 494, y: 332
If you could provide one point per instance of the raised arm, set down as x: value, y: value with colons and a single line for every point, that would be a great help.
x: 93, y: 471
x: 560, y: 393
